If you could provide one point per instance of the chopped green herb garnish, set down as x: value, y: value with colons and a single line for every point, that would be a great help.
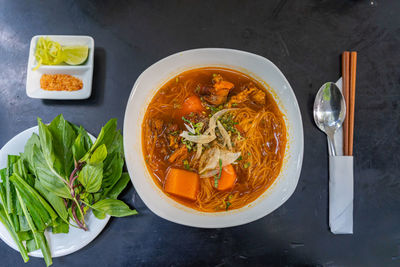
x: 227, y: 204
x: 215, y: 109
x: 239, y: 158
x: 198, y: 127
x: 217, y: 177
x: 228, y: 123
x: 249, y: 154
x: 174, y: 133
x: 186, y: 164
x: 234, y: 105
x: 246, y: 165
x: 186, y: 120
x: 214, y: 75
x: 189, y: 145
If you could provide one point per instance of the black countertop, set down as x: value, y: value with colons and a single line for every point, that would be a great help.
x: 305, y: 40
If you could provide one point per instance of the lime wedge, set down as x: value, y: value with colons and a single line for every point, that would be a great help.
x: 75, y: 55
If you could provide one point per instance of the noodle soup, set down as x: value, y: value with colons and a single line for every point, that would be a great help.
x: 213, y: 139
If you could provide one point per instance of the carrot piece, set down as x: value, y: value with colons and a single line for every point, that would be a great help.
x: 182, y: 183
x: 228, y: 178
x: 192, y: 104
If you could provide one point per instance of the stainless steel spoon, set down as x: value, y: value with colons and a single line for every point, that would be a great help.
x: 329, y: 111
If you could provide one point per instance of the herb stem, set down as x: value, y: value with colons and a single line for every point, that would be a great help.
x: 75, y: 204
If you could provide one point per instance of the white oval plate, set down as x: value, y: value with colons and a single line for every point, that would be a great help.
x: 60, y: 244
x: 256, y: 67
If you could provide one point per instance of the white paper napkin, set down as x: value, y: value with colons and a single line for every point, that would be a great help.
x: 341, y: 189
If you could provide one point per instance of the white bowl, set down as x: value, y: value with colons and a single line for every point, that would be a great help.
x: 83, y: 72
x: 253, y: 65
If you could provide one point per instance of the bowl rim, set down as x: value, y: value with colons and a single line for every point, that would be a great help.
x: 244, y: 220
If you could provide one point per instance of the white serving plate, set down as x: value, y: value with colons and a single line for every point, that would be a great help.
x: 60, y: 244
x: 83, y: 72
x: 253, y: 65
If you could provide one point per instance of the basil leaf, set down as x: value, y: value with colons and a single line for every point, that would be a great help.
x: 113, y: 207
x: 99, y: 215
x: 114, y: 191
x: 81, y: 144
x: 106, y: 137
x: 112, y: 170
x: 63, y: 137
x: 49, y: 156
x: 117, y: 144
x: 98, y: 155
x: 91, y: 177
x: 49, y: 177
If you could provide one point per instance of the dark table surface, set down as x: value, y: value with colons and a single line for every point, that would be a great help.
x: 304, y: 39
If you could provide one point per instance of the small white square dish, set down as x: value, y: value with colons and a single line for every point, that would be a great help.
x: 83, y: 72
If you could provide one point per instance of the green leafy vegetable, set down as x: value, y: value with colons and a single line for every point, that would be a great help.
x: 7, y: 224
x: 99, y: 214
x: 98, y: 155
x: 56, y: 202
x: 114, y: 191
x: 113, y: 207
x: 112, y: 170
x: 63, y: 136
x: 81, y: 144
x: 60, y: 175
x: 48, y: 176
x: 91, y: 176
x: 106, y: 137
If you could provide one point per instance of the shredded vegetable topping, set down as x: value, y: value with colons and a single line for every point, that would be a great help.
x: 210, y: 159
x: 209, y: 135
x: 48, y: 52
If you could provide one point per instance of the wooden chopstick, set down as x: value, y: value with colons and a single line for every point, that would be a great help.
x: 352, y: 96
x: 345, y: 89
